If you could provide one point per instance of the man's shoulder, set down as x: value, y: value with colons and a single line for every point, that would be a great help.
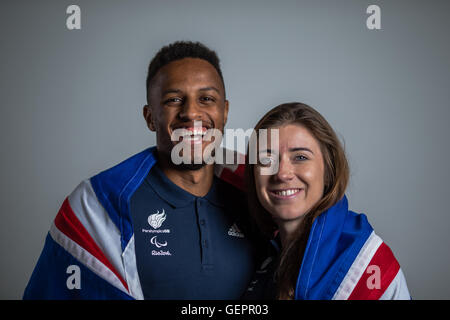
x: 103, y: 197
x: 128, y: 167
x: 121, y: 180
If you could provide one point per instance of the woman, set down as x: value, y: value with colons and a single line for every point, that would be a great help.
x: 319, y: 249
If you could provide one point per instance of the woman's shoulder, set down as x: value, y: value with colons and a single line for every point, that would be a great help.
x: 346, y: 259
x: 374, y: 274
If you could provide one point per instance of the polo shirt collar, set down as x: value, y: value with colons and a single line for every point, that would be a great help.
x: 178, y: 197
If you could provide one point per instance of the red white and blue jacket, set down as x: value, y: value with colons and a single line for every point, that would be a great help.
x: 93, y: 232
x: 345, y: 259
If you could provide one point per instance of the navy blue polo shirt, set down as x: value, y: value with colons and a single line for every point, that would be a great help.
x: 190, y: 247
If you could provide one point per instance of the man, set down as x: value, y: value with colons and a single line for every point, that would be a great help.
x: 149, y: 228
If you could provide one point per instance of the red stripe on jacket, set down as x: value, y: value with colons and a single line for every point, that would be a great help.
x: 68, y: 223
x: 384, y: 263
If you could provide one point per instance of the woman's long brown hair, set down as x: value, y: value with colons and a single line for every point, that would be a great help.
x: 336, y: 176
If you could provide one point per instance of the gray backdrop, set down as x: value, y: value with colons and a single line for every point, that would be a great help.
x: 71, y: 105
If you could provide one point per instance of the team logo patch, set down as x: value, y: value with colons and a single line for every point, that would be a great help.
x: 156, y: 220
x: 157, y: 244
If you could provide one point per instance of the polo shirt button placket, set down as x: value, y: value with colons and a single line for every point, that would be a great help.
x: 206, y: 259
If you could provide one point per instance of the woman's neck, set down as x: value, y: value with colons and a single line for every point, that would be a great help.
x: 287, y: 230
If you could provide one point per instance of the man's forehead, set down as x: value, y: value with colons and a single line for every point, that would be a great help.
x: 192, y: 72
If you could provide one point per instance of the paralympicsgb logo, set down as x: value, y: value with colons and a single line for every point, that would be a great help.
x: 156, y: 243
x: 156, y: 220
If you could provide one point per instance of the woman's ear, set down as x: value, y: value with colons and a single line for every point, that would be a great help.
x: 147, y: 113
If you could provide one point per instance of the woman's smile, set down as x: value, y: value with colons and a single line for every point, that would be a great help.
x: 284, y: 194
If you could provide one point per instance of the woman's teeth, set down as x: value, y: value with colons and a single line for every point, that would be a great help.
x: 285, y: 193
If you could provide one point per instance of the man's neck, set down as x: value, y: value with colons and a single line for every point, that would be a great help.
x: 197, y: 182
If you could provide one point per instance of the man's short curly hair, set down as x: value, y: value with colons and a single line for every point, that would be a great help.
x: 180, y: 50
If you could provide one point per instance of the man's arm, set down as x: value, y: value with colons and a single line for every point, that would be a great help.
x: 59, y: 276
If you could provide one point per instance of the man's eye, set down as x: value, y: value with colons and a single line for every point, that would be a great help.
x: 207, y: 99
x: 173, y: 100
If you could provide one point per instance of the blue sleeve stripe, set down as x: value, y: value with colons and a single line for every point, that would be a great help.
x: 115, y: 186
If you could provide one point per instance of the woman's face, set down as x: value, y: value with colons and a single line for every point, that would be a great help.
x: 299, y: 183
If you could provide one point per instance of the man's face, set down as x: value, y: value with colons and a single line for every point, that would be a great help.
x: 182, y: 92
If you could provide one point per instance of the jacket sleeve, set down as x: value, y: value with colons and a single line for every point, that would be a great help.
x: 375, y: 274
x: 398, y: 289
x: 382, y: 278
x: 80, y: 259
x: 59, y: 276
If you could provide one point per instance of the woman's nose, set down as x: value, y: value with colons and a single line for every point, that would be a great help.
x: 285, y: 170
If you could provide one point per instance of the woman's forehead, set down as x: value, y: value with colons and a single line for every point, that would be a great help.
x: 290, y: 137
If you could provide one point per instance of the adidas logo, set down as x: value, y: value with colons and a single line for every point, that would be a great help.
x: 235, y: 232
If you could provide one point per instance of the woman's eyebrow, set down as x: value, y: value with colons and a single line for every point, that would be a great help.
x: 290, y: 150
x: 300, y: 149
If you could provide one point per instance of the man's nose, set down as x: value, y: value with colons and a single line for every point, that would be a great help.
x: 190, y: 110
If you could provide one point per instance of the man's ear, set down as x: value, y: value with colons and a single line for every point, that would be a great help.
x: 225, y: 113
x: 147, y: 113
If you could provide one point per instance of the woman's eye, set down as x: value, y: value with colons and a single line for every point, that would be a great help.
x: 300, y: 158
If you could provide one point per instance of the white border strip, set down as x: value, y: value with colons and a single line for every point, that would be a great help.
x: 398, y: 289
x: 86, y: 258
x: 95, y: 219
x: 132, y: 276
x: 358, y: 267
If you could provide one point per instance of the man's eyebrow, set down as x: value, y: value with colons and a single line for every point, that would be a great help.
x: 209, y: 88
x: 300, y: 149
x: 167, y: 91
x: 171, y: 91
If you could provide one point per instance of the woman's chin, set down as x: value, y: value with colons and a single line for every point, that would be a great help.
x: 286, y: 216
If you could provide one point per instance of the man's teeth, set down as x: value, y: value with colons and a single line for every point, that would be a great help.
x: 288, y: 192
x: 193, y: 138
x: 195, y: 132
